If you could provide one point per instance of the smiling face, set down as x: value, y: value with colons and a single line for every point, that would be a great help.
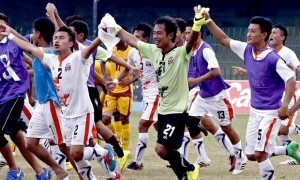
x: 254, y: 35
x: 276, y: 37
x: 161, y: 38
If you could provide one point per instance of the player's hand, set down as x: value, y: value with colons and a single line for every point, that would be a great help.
x: 239, y: 71
x: 199, y: 19
x: 31, y: 101
x: 136, y: 72
x: 4, y: 29
x: 110, y: 86
x: 283, y: 112
x: 50, y: 8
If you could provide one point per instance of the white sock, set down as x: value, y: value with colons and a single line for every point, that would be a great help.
x: 294, y: 129
x: 224, y: 141
x: 238, y: 151
x: 285, y: 140
x: 199, y: 146
x: 59, y: 157
x: 85, y: 169
x: 184, y: 149
x: 266, y: 170
x: 279, y: 150
x: 141, y: 148
x: 45, y: 143
x: 95, y: 152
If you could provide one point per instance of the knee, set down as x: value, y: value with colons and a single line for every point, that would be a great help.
x: 29, y: 144
x: 261, y: 156
x: 77, y: 155
x: 160, y: 152
x: 143, y: 126
x: 124, y: 119
x: 251, y: 157
x: 106, y: 120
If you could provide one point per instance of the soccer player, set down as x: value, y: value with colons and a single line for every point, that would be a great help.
x: 45, y: 122
x: 171, y: 65
x: 277, y: 42
x: 70, y: 73
x: 150, y: 94
x: 14, y: 85
x: 213, y: 100
x: 268, y: 76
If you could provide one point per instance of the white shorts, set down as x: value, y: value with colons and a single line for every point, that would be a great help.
x: 192, y: 95
x: 45, y: 123
x: 291, y: 120
x: 262, y: 132
x: 222, y: 110
x: 77, y: 131
x: 26, y: 111
x: 150, y: 107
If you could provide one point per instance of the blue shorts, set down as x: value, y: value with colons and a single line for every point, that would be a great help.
x: 10, y: 113
x: 171, y: 130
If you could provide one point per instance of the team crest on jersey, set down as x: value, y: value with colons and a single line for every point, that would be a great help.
x: 68, y: 67
x: 148, y: 64
x: 170, y: 60
x: 63, y: 99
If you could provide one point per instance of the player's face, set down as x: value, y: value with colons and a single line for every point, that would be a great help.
x: 34, y: 37
x: 254, y: 35
x: 61, y: 41
x: 179, y: 36
x: 161, y: 38
x: 139, y: 34
x: 1, y: 36
x: 188, y: 31
x: 275, y: 37
x: 78, y: 37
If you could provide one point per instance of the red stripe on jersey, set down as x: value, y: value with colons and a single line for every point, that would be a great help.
x: 86, y: 131
x: 154, y: 108
x: 56, y: 123
x: 291, y: 117
x: 195, y: 95
x: 26, y: 112
x: 229, y: 107
x: 269, y: 133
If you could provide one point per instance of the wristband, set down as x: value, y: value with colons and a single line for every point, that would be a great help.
x: 116, y: 81
x: 11, y: 36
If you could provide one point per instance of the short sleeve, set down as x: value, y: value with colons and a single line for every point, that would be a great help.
x: 145, y: 49
x: 238, y: 47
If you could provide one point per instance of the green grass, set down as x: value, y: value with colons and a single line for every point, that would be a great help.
x: 155, y: 168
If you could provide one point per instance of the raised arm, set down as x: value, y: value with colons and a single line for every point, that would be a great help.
x: 128, y: 38
x: 51, y: 11
x: 86, y: 52
x: 26, y: 46
x: 218, y: 34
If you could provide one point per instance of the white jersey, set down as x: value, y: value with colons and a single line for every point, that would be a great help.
x: 149, y: 83
x: 289, y: 56
x: 70, y: 76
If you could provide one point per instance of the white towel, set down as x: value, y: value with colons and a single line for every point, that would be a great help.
x: 108, y: 38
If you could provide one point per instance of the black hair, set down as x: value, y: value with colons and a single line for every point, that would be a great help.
x: 170, y: 25
x: 69, y: 31
x: 283, y: 31
x: 190, y: 23
x: 264, y: 23
x: 181, y: 24
x: 72, y: 18
x: 46, y: 28
x: 146, y: 28
x: 80, y: 27
x: 4, y: 18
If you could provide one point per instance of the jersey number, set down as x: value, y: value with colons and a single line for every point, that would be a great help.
x: 169, y: 130
x: 59, y: 73
x: 221, y: 114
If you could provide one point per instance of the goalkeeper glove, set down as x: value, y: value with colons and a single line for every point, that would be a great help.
x: 199, y: 19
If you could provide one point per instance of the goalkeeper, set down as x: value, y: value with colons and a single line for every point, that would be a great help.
x: 171, y: 66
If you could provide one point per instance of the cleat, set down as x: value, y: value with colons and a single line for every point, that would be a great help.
x: 15, y: 175
x: 109, y: 159
x: 293, y: 151
x: 203, y: 162
x: 69, y: 166
x: 134, y: 166
x: 232, y: 160
x: 124, y: 161
x: 193, y: 175
x: 240, y: 166
x: 118, y: 176
x: 46, y: 175
x: 289, y: 162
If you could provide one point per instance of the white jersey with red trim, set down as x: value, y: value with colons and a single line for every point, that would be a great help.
x: 289, y: 56
x: 149, y: 83
x: 70, y: 76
